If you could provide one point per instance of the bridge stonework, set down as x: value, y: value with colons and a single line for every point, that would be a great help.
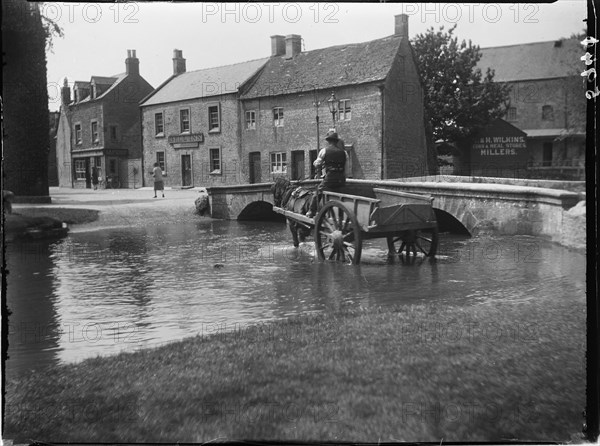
x: 479, y: 207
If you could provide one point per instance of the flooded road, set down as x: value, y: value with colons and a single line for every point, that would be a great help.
x: 110, y: 290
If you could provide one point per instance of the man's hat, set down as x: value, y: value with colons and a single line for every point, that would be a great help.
x: 331, y: 135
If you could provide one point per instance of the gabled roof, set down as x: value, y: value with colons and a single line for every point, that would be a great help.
x: 205, y: 83
x: 541, y: 60
x: 116, y: 80
x: 335, y: 66
x: 103, y: 80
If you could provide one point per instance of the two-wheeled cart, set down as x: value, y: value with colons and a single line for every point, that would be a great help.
x: 406, y: 220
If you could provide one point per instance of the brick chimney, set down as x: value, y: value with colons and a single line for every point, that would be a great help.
x: 65, y: 93
x: 178, y: 62
x: 132, y: 63
x: 277, y: 46
x: 293, y: 45
x: 401, y: 25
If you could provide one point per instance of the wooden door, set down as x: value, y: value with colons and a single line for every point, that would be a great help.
x: 255, y: 173
x: 186, y: 170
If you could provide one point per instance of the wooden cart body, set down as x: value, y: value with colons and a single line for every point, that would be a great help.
x: 344, y: 220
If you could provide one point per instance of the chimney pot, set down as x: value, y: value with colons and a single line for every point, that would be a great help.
x: 66, y: 92
x: 293, y: 45
x: 178, y: 62
x: 132, y: 64
x: 277, y: 46
x: 401, y: 25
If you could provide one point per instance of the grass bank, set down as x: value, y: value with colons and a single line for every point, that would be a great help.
x: 70, y: 216
x: 411, y: 373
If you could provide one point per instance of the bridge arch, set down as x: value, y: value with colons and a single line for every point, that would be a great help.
x: 259, y: 210
x: 449, y: 223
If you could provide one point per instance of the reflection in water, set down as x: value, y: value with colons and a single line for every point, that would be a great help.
x: 104, y: 291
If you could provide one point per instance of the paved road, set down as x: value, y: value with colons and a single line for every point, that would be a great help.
x: 119, y: 207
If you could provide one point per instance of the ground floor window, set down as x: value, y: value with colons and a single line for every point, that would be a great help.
x: 160, y: 159
x: 215, y: 160
x: 80, y: 169
x: 278, y: 162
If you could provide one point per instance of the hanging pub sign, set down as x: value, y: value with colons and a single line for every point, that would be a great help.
x: 499, y: 150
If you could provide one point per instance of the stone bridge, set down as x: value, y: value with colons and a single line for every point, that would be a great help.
x: 459, y: 206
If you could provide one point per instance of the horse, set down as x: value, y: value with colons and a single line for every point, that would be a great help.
x: 295, y: 199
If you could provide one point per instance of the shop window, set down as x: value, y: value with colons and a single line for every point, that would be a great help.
x: 80, y: 169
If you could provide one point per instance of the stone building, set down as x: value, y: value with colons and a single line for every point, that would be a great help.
x: 547, y: 102
x: 191, y: 124
x: 377, y: 100
x: 99, y: 129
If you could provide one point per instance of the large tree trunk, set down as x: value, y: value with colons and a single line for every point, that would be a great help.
x: 25, y: 100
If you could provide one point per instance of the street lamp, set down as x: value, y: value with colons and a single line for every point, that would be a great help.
x: 333, y: 106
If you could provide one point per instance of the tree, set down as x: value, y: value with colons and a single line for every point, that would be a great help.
x: 25, y: 35
x: 459, y: 99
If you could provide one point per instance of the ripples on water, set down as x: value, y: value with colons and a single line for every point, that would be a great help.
x: 104, y: 291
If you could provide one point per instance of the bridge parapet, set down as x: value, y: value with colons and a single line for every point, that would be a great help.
x: 479, y: 207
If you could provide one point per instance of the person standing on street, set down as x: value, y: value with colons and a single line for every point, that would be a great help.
x: 95, y: 177
x: 158, y: 180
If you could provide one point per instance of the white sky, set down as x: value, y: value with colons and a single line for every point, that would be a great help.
x: 97, y: 36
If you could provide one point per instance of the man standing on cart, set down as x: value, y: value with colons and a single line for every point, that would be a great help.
x: 331, y: 159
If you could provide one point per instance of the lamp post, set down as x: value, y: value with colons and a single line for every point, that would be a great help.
x: 333, y: 106
x: 316, y: 103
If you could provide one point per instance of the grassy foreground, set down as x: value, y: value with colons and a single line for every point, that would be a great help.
x: 411, y: 373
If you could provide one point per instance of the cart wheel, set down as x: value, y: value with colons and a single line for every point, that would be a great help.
x: 423, y: 240
x: 337, y: 234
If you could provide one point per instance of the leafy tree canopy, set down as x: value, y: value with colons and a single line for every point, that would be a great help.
x: 459, y: 99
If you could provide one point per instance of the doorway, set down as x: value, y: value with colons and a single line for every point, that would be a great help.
x: 186, y: 170
x: 297, y: 164
x: 88, y: 174
x: 312, y: 157
x: 255, y: 174
x: 547, y: 154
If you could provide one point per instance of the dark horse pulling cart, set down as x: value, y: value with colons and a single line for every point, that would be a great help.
x: 344, y: 220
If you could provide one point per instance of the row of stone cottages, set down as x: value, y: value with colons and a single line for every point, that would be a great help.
x: 251, y: 121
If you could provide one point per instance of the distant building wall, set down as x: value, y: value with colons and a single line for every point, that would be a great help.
x: 362, y: 132
x: 226, y: 140
x: 404, y: 131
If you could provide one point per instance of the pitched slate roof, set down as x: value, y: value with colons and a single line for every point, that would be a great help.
x: 205, y: 83
x: 330, y: 67
x: 541, y: 60
x: 103, y: 79
x: 116, y: 80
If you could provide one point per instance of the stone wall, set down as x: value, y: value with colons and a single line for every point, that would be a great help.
x: 227, y: 140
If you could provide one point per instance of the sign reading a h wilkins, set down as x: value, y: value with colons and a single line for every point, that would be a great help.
x: 499, y: 149
x: 186, y: 141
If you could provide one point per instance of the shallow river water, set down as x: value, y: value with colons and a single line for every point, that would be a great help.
x: 104, y: 291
